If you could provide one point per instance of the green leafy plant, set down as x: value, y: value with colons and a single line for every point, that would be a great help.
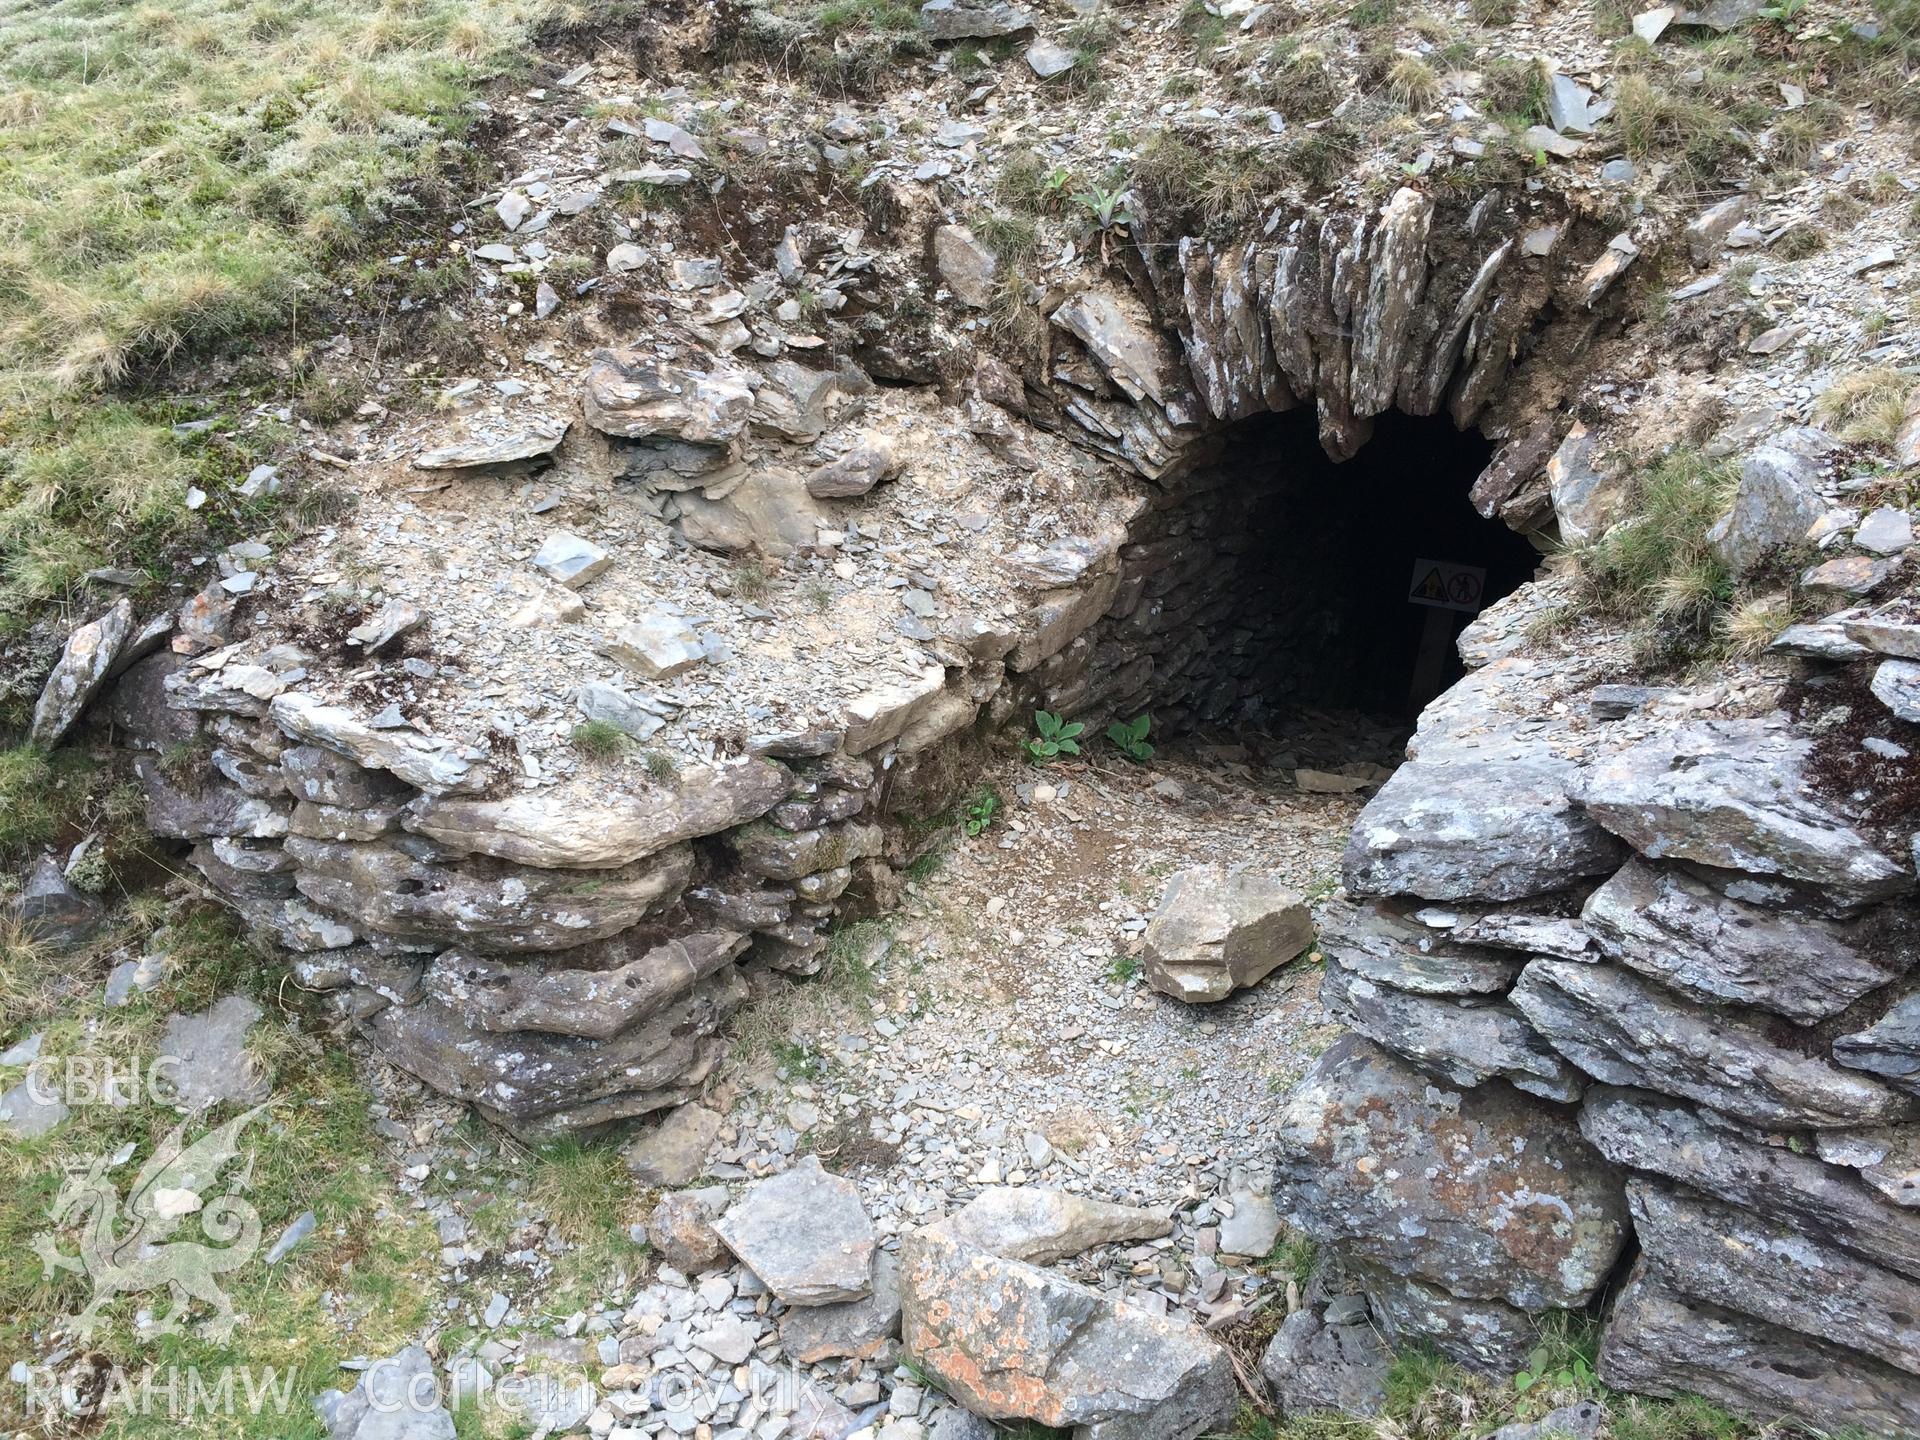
x: 1107, y: 208
x: 1057, y: 737
x: 1123, y: 969
x: 982, y: 806
x: 1130, y: 737
x: 1541, y: 1372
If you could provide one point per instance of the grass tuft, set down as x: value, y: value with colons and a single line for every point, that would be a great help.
x: 598, y: 739
x: 1656, y: 568
x: 1868, y: 406
x: 179, y: 177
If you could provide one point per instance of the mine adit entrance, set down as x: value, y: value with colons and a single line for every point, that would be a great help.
x: 1268, y: 578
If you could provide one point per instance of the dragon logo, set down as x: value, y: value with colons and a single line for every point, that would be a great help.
x: 169, y: 1188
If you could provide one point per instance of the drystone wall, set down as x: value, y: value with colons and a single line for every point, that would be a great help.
x: 1626, y: 986
x: 562, y: 957
x: 1631, y: 1025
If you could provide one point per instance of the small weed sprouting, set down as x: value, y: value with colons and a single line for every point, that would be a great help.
x: 1293, y: 1256
x: 1124, y: 969
x: 1412, y: 83
x: 1129, y: 737
x: 981, y: 807
x: 1057, y: 737
x: 1106, y: 208
x: 1516, y: 90
x: 750, y: 579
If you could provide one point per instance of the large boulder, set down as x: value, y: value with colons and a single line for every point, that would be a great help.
x: 1659, y: 1342
x: 582, y: 825
x: 1733, y: 1259
x: 1776, y: 500
x: 1040, y: 1225
x: 1620, y: 1029
x: 1485, y: 1192
x: 1010, y: 1341
x: 1219, y: 930
x: 1739, y: 795
x: 1676, y: 928
x: 769, y: 511
x: 546, y: 1085
x: 1484, y: 817
x: 626, y: 981
x: 632, y: 393
x: 806, y: 1235
x: 1797, y: 1192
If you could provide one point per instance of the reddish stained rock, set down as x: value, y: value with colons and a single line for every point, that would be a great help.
x: 1012, y: 1341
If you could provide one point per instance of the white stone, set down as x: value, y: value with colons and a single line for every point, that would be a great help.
x: 565, y: 557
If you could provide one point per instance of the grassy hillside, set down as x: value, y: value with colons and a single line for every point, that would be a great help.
x: 173, y: 175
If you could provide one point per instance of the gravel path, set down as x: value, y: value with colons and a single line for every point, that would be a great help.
x: 996, y: 1029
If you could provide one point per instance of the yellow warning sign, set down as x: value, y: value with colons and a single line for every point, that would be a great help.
x: 1447, y: 586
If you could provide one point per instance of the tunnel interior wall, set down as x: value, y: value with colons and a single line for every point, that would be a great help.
x: 1265, y: 577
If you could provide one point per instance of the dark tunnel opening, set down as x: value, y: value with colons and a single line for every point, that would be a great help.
x: 1396, y: 559
x: 1268, y: 579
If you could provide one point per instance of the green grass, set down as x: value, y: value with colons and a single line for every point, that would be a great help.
x: 589, y: 1200
x: 599, y: 739
x: 359, y: 1285
x: 850, y: 949
x: 1656, y: 569
x: 175, y: 177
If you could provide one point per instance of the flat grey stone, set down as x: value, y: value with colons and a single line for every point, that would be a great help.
x: 1041, y: 1225
x: 396, y: 1399
x: 856, y: 1330
x: 1674, y: 928
x: 805, y: 1234
x: 1896, y: 685
x: 1798, y: 1193
x: 674, y: 1152
x: 1314, y: 1367
x: 206, y: 1055
x: 1734, y: 794
x: 572, y: 561
x: 1625, y: 1031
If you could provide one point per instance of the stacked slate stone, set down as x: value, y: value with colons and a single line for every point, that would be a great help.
x: 1631, y: 1030
x: 561, y: 958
